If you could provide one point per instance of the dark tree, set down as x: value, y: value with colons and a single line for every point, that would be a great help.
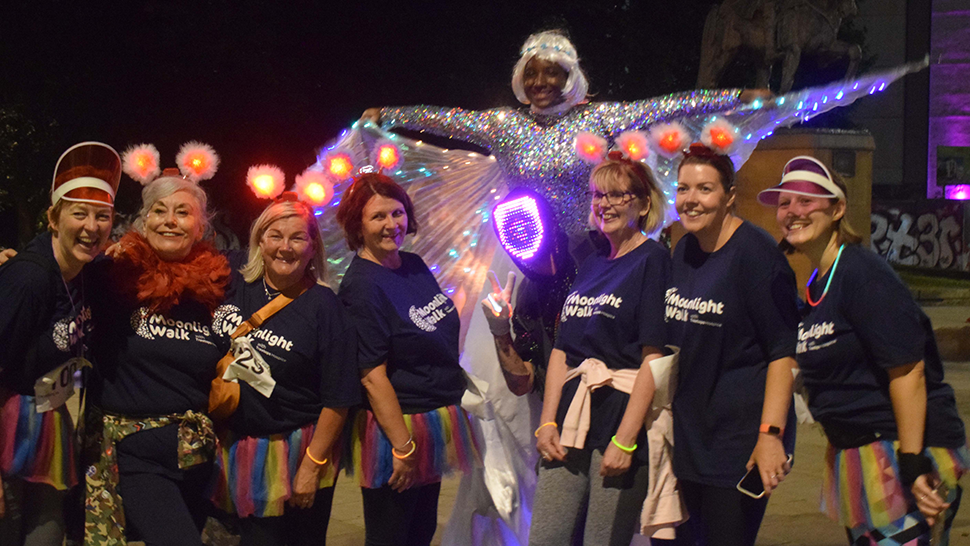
x: 26, y: 145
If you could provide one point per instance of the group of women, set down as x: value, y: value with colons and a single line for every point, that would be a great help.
x: 179, y: 332
x: 727, y: 299
x: 167, y: 306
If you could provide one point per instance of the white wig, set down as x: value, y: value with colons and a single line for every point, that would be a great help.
x: 552, y: 46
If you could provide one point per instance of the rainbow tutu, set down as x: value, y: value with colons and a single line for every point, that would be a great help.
x: 861, y: 487
x: 36, y: 447
x: 444, y: 438
x: 253, y: 475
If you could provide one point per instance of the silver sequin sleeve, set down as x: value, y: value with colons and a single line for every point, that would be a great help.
x: 475, y: 126
x: 638, y: 115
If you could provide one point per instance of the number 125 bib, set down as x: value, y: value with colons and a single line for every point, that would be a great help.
x: 250, y: 367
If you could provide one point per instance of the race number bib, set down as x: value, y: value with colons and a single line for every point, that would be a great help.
x: 55, y: 387
x: 250, y: 367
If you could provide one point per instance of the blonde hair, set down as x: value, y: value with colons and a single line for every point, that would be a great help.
x: 279, y: 210
x: 613, y: 173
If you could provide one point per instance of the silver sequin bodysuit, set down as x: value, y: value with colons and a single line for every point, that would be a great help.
x: 535, y: 151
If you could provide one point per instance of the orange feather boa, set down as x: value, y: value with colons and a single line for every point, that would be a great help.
x: 202, y: 276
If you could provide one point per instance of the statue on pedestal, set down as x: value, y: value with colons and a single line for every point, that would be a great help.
x: 775, y: 30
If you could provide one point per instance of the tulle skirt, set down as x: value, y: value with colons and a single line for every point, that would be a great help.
x: 861, y: 487
x: 36, y: 447
x: 444, y: 438
x: 254, y: 475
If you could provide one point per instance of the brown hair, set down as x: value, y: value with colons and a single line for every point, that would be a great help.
x: 698, y: 154
x: 846, y: 233
x: 350, y: 212
x: 643, y: 184
x: 54, y: 215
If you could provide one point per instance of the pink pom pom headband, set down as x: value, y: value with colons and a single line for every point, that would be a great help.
x: 196, y: 162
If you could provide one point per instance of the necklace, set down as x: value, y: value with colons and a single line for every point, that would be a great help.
x: 808, y: 291
x: 74, y: 311
x: 269, y: 294
x: 70, y: 297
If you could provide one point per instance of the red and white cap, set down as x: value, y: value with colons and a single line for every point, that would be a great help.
x: 88, y: 172
x: 803, y: 175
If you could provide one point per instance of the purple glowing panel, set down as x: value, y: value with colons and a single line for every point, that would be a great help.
x: 519, y: 227
x: 959, y: 192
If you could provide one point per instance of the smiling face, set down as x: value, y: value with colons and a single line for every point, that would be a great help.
x: 806, y: 220
x: 384, y: 225
x: 80, y: 231
x: 615, y: 209
x: 287, y: 248
x: 173, y: 225
x: 543, y: 82
x: 702, y: 202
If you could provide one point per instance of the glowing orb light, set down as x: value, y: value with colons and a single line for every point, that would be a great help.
x: 197, y: 161
x: 718, y: 135
x: 340, y: 165
x: 314, y: 188
x: 670, y: 139
x: 387, y: 155
x: 141, y: 162
x: 634, y: 144
x: 266, y: 181
x: 721, y: 138
x: 519, y: 226
x: 590, y: 148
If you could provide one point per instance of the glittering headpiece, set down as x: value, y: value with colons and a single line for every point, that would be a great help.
x: 552, y: 46
x: 672, y: 139
x: 631, y: 146
x: 339, y: 163
x: 312, y: 187
x: 196, y: 162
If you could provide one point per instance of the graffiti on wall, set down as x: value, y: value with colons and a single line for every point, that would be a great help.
x: 928, y: 234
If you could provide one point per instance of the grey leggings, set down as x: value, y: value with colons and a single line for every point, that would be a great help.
x: 35, y: 514
x: 613, y: 509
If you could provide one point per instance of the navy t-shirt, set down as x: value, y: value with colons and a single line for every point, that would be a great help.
x: 866, y: 324
x: 311, y: 349
x: 403, y: 319
x: 40, y: 328
x: 615, y: 308
x: 732, y: 312
x: 150, y: 363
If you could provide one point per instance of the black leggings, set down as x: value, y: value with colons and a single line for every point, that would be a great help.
x: 719, y: 516
x: 164, y: 505
x: 401, y: 519
x: 296, y: 527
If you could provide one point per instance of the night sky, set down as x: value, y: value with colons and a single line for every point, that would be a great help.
x: 271, y: 82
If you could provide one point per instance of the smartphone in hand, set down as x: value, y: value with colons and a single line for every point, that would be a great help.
x: 936, y: 532
x: 751, y: 484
